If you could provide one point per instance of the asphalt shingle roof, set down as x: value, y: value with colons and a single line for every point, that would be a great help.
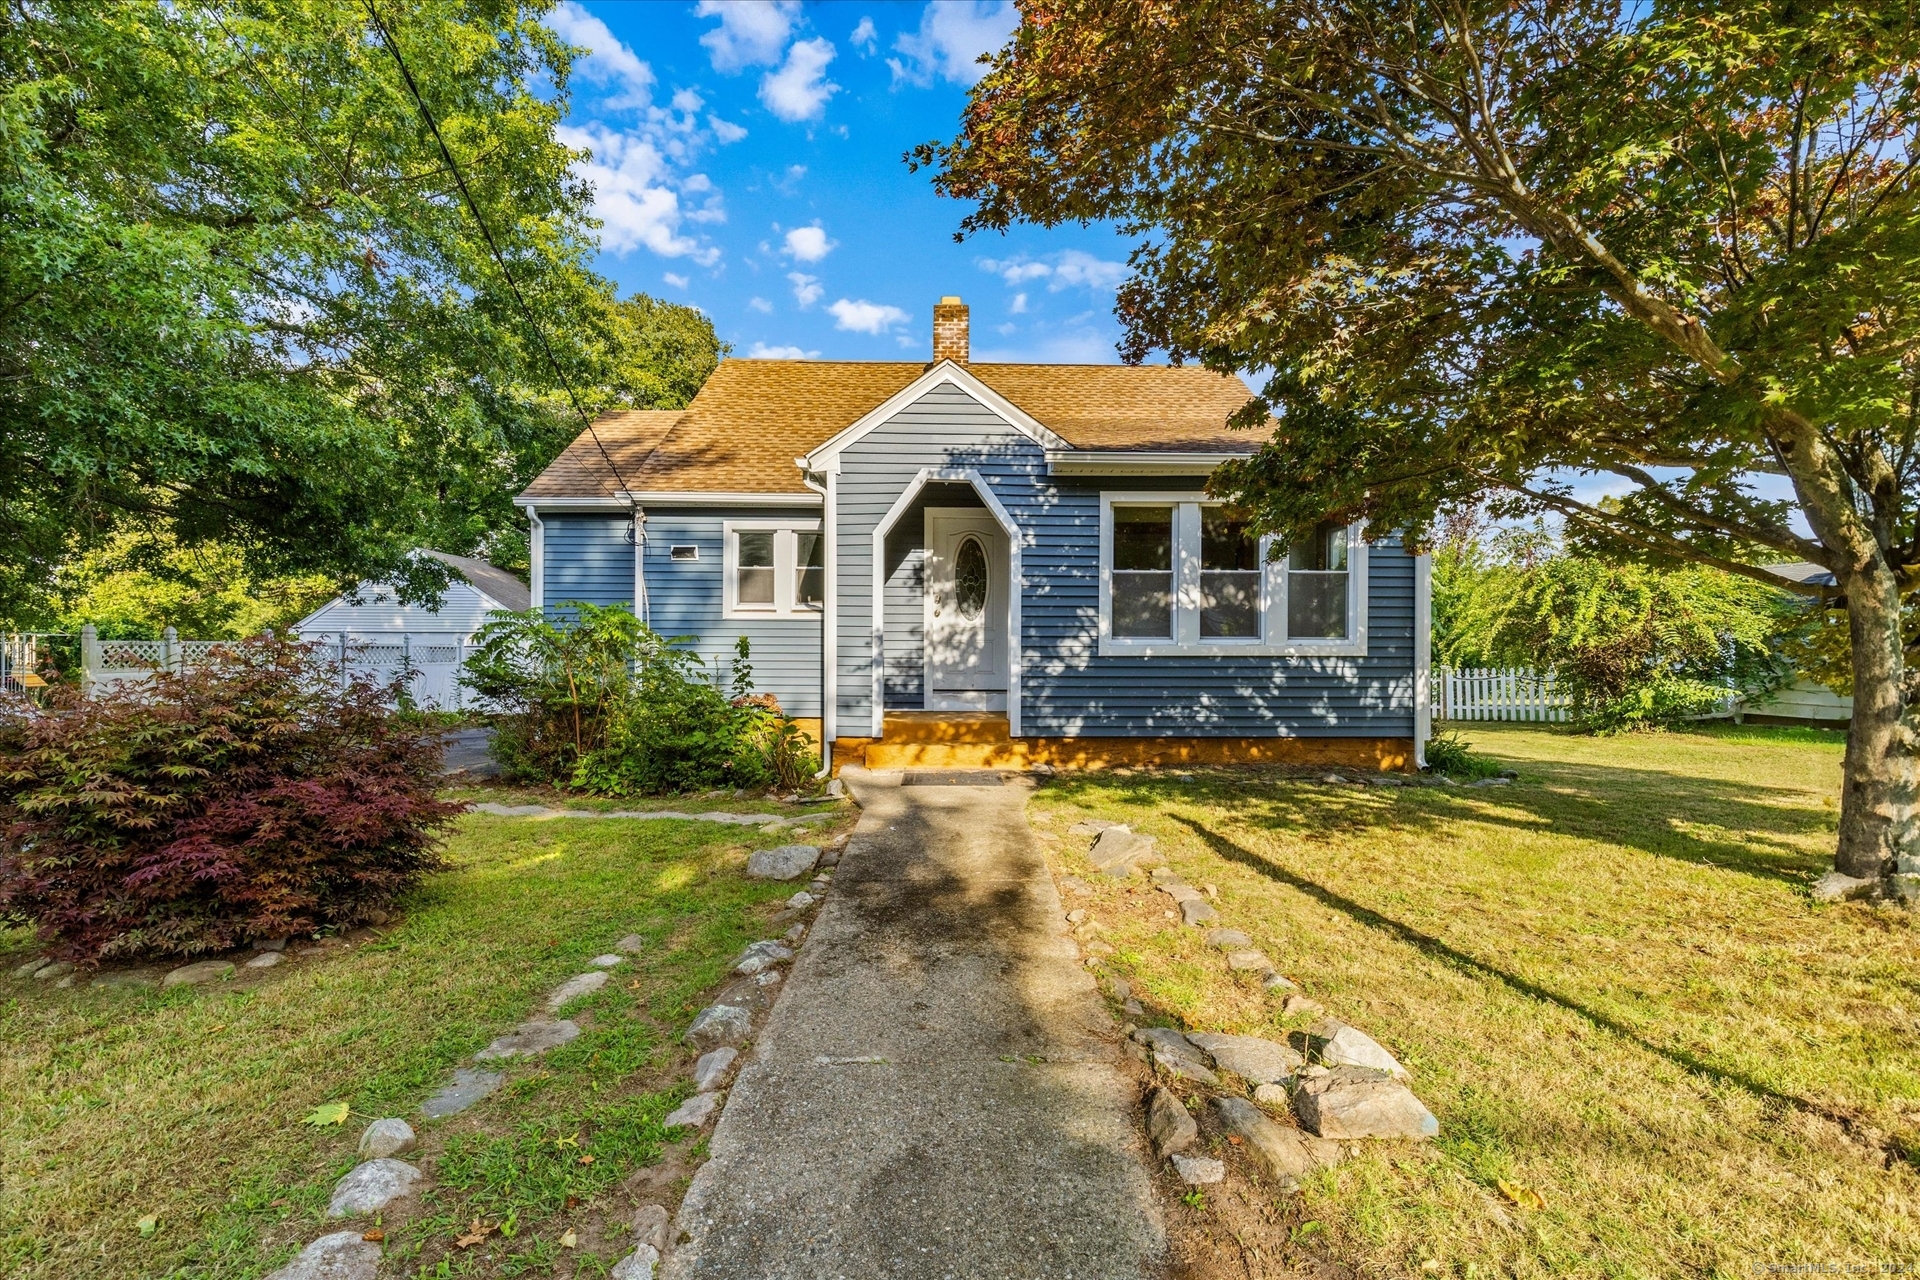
x: 500, y: 586
x: 751, y: 420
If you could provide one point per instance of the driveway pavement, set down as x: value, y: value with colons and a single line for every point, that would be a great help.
x: 937, y: 1092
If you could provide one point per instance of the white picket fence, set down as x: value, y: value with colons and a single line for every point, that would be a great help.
x: 433, y: 658
x: 1484, y: 693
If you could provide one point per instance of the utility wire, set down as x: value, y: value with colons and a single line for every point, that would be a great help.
x: 433, y: 126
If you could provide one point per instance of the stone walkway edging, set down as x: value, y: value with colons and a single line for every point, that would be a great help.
x: 379, y: 1180
x: 765, y: 821
x: 1356, y: 1088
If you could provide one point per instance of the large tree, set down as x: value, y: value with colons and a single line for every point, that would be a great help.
x: 1483, y: 248
x: 242, y: 301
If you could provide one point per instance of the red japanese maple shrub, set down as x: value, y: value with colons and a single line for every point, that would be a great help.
x: 249, y: 797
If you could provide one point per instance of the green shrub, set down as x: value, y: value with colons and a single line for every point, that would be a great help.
x: 250, y: 796
x: 1637, y: 646
x: 594, y: 699
x: 1451, y: 754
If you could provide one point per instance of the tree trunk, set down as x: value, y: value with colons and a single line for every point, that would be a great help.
x: 1879, y: 834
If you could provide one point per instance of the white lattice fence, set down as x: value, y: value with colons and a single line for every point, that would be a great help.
x: 430, y: 661
x: 1486, y: 693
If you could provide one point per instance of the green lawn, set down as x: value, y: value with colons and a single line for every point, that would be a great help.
x: 186, y: 1106
x: 1609, y: 980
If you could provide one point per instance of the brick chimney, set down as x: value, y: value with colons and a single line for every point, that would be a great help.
x: 950, y: 340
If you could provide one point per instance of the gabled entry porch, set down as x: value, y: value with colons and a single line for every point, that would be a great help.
x: 946, y: 606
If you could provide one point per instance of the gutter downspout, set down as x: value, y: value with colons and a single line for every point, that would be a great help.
x: 1422, y: 657
x: 640, y: 604
x: 536, y: 558
x: 827, y: 487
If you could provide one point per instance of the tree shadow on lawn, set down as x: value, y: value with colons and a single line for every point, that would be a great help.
x: 1444, y: 952
x: 1649, y: 810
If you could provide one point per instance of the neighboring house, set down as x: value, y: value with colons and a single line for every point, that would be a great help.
x: 371, y: 608
x: 378, y: 634
x: 958, y: 563
x: 1803, y: 701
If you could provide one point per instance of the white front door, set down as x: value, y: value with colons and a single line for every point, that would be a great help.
x: 966, y: 611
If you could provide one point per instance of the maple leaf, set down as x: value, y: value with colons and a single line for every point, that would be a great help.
x: 1521, y: 1194
x: 478, y: 1231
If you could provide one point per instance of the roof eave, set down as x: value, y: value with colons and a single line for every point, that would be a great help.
x: 1136, y: 462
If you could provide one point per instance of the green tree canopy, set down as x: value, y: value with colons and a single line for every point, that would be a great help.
x: 241, y: 301
x: 1482, y: 246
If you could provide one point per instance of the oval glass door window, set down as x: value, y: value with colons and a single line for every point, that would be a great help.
x: 970, y: 579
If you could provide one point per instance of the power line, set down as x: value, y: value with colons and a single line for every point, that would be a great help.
x: 459, y: 180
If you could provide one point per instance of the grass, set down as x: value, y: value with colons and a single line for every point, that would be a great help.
x: 185, y: 1106
x: 1608, y: 979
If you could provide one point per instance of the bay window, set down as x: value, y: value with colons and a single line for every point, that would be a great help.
x: 1183, y: 575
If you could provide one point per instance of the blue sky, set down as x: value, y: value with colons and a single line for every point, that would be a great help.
x: 747, y: 158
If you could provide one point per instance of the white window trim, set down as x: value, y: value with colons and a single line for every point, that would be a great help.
x: 1186, y: 642
x: 785, y: 569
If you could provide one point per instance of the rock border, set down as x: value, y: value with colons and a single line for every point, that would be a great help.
x: 1338, y: 1085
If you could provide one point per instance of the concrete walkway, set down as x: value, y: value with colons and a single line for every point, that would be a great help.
x: 933, y: 1095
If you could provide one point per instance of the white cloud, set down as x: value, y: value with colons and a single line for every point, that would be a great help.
x: 761, y: 305
x: 678, y: 282
x: 1019, y: 306
x: 865, y: 317
x: 951, y: 38
x: 1074, y: 267
x: 608, y: 61
x: 712, y: 209
x: 751, y: 32
x: 809, y: 244
x: 725, y: 130
x: 864, y: 37
x: 761, y: 351
x: 799, y: 89
x: 633, y: 193
x: 1076, y: 346
x: 1016, y: 270
x: 806, y: 288
x: 789, y: 182
x: 1069, y: 269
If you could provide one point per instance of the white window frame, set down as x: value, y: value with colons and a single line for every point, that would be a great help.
x: 785, y: 569
x: 1186, y: 640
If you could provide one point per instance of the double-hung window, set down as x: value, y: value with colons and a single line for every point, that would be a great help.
x: 1183, y: 575
x: 1143, y: 572
x: 774, y: 568
x: 1318, y: 582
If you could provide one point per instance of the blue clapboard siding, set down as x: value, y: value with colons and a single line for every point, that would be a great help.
x: 1071, y: 690
x: 1066, y: 687
x: 687, y: 597
x: 906, y: 625
x: 589, y: 558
